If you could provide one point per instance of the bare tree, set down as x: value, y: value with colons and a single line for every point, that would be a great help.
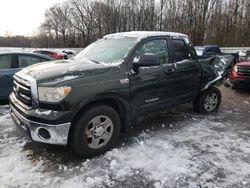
x: 79, y: 22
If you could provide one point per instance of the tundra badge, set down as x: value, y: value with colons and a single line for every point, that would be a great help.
x: 151, y: 100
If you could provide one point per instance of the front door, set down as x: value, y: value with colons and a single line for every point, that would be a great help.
x: 151, y: 88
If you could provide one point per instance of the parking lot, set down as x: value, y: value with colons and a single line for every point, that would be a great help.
x: 174, y: 148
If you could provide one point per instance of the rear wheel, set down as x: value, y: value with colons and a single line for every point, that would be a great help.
x: 208, y: 101
x: 97, y: 131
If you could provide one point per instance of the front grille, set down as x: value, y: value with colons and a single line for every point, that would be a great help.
x: 22, y: 91
x: 243, y: 70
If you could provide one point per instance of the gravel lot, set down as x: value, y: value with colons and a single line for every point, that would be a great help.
x: 174, y: 148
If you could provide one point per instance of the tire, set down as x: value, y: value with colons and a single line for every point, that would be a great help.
x: 208, y: 101
x: 91, y: 136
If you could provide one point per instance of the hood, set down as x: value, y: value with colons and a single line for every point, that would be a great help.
x: 244, y: 63
x: 59, y: 71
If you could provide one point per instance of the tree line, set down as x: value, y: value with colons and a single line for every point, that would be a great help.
x: 76, y: 23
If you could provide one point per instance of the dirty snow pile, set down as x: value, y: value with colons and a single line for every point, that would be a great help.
x: 197, y: 151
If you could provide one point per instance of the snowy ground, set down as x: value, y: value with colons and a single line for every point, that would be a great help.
x: 175, y: 148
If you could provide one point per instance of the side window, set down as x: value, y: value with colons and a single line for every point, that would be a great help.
x: 44, y: 52
x: 26, y: 60
x: 181, y: 51
x: 217, y: 50
x: 154, y: 47
x: 5, y: 62
x: 208, y: 51
x: 51, y: 54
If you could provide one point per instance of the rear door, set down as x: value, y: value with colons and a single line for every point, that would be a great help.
x: 6, y: 75
x: 188, y: 70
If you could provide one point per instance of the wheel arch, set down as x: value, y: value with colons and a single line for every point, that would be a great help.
x: 117, y: 103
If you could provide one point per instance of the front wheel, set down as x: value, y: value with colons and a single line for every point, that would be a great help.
x: 208, y: 101
x: 97, y: 131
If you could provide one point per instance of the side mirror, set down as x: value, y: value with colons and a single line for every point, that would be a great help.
x: 147, y: 61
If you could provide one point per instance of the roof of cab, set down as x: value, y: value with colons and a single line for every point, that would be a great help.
x: 142, y: 34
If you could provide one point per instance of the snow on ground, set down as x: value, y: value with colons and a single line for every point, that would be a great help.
x: 188, y: 151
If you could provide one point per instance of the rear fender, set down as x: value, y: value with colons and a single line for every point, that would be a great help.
x: 214, y: 71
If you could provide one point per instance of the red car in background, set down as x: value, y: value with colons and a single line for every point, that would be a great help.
x: 240, y: 75
x: 53, y: 54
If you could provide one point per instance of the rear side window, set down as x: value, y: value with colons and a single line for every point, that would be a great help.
x: 208, y: 51
x: 181, y: 51
x: 5, y: 62
x: 44, y: 52
x: 26, y: 60
x: 217, y: 50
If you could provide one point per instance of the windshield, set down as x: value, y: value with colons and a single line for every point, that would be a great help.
x: 107, y: 50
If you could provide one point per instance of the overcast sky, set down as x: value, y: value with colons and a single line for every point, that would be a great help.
x: 23, y: 17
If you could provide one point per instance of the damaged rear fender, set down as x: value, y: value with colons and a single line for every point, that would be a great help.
x: 214, y: 71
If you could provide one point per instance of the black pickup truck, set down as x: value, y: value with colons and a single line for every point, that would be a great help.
x: 88, y: 101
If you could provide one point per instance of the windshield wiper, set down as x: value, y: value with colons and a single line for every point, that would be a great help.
x: 97, y: 62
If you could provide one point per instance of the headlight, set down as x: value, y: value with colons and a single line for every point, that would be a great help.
x: 53, y: 94
x: 235, y: 68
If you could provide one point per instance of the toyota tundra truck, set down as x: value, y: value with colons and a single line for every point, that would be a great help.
x: 87, y: 102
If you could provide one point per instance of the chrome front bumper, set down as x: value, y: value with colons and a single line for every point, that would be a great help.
x: 58, y: 134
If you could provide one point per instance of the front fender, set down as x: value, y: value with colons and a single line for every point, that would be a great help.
x: 123, y: 104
